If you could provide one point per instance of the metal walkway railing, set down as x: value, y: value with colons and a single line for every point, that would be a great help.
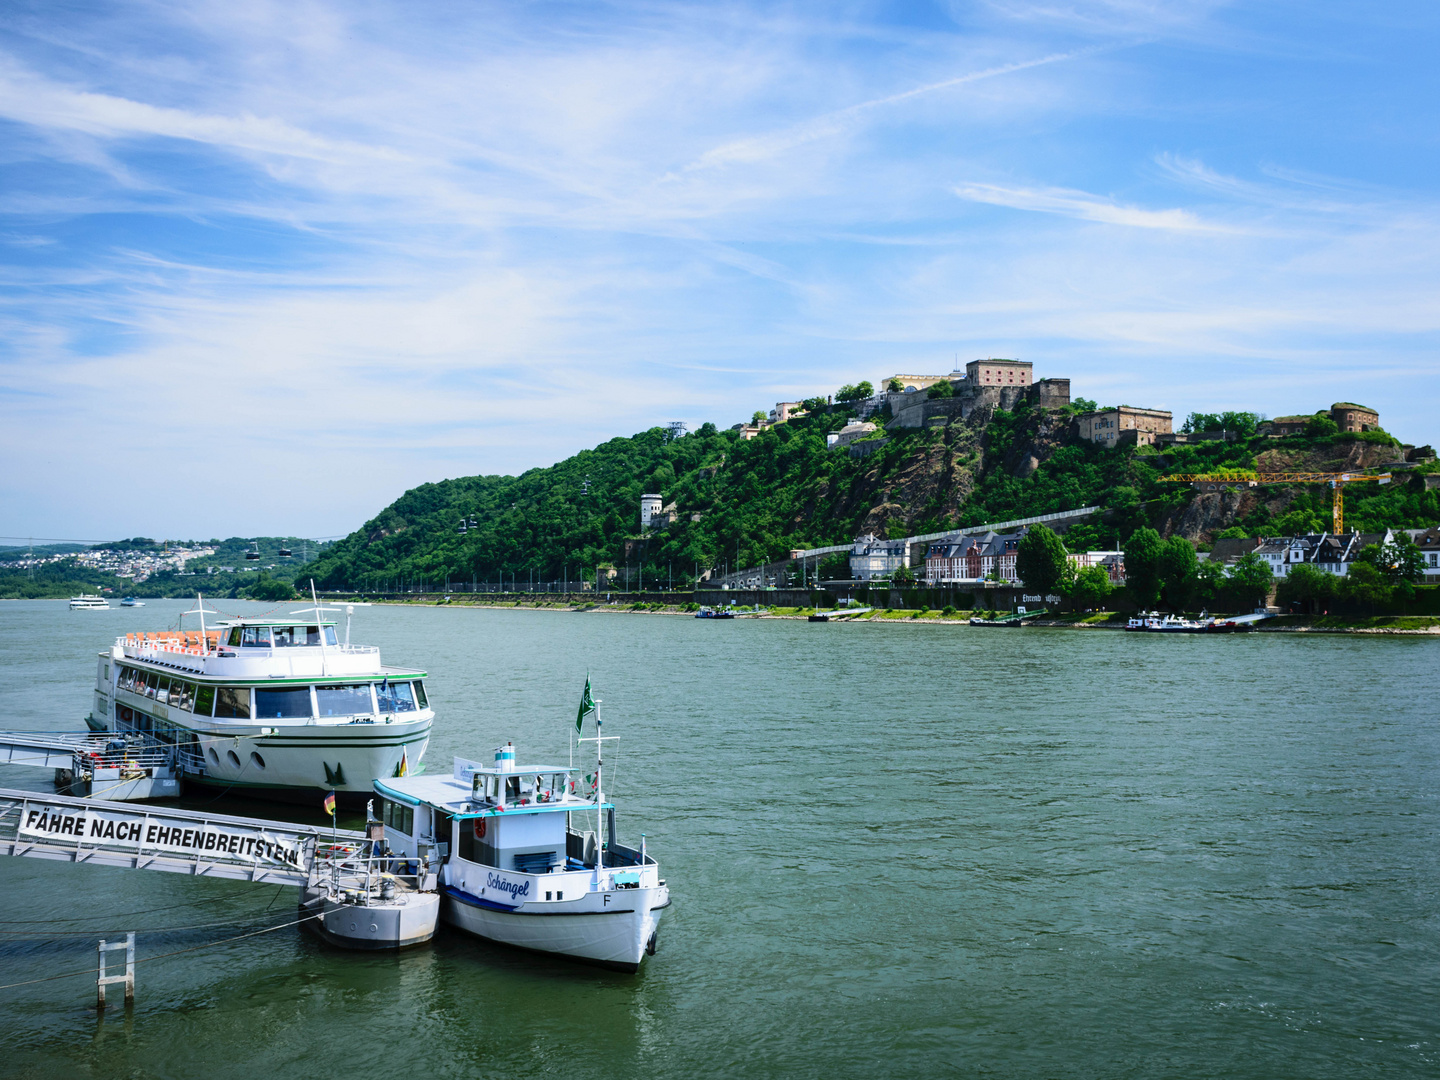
x: 66, y: 829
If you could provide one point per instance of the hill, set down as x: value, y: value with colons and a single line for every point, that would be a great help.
x: 141, y: 566
x: 745, y: 502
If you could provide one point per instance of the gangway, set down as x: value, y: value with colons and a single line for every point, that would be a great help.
x: 1014, y: 618
x: 340, y: 871
x: 100, y: 765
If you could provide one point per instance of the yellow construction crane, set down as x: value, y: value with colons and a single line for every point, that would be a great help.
x: 1246, y: 478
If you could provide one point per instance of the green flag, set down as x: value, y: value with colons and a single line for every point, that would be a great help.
x: 587, y: 705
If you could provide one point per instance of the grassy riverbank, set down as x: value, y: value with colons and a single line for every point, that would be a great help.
x: 1097, y: 620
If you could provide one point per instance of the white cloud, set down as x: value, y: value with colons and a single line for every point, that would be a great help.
x: 1079, y: 204
x: 342, y: 250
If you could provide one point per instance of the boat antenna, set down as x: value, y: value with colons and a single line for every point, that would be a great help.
x: 320, y: 627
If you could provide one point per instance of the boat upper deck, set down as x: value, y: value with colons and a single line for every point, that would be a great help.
x: 475, y: 791
x: 257, y: 649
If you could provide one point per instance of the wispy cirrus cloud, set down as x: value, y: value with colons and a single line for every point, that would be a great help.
x: 1087, y: 207
x: 420, y: 234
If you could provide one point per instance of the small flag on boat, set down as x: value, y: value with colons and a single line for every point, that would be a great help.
x: 587, y: 705
x: 330, y: 804
x: 403, y: 769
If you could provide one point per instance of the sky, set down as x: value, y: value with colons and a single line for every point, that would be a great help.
x: 265, y: 266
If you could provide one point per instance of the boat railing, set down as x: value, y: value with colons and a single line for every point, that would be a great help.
x: 190, y: 760
x: 352, y: 868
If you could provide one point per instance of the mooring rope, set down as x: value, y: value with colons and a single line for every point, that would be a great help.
x: 174, y: 952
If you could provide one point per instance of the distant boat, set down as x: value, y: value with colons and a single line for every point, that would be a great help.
x: 714, y: 613
x: 818, y: 617
x: 87, y: 602
x: 130, y: 601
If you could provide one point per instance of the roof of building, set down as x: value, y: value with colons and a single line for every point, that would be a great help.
x: 1231, y: 548
x: 1352, y: 405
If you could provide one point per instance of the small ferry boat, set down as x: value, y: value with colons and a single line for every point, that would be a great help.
x: 1155, y: 623
x: 88, y: 602
x: 714, y: 613
x: 130, y: 601
x: 277, y: 707
x: 517, y: 865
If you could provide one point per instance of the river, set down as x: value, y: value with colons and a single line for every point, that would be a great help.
x: 894, y: 850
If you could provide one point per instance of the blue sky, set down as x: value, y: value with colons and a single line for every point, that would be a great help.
x: 267, y: 265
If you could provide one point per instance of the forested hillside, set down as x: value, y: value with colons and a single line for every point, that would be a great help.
x: 746, y: 502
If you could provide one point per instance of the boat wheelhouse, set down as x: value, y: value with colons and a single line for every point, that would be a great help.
x: 518, y: 864
x: 273, y: 707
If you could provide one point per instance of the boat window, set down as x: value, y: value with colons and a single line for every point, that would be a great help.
x: 290, y: 702
x: 344, y: 700
x: 152, y: 683
x: 474, y: 848
x: 255, y: 637
x: 420, y: 698
x: 234, y: 636
x: 395, y: 697
x: 330, y: 635
x: 312, y: 635
x: 399, y: 817
x: 233, y: 702
x: 162, y: 692
x: 205, y: 701
x: 127, y: 678
x: 285, y: 637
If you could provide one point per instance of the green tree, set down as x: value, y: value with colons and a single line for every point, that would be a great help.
x: 1399, y: 560
x: 895, y: 386
x: 265, y: 587
x: 942, y: 389
x: 1041, y: 559
x: 1142, y: 565
x: 1091, y: 587
x: 1177, y: 566
x: 1308, y: 585
x: 1081, y: 404
x: 1365, y: 586
x: 1209, y: 584
x: 1251, y: 578
x: 757, y: 418
x: 1320, y: 426
x: 858, y: 392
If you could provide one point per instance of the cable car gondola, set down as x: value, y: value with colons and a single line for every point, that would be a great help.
x: 253, y: 555
x: 284, y: 553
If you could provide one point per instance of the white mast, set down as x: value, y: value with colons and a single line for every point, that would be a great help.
x: 319, y: 626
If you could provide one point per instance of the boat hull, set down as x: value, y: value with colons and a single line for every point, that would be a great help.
x: 304, y: 764
x: 376, y: 926
x: 617, y: 935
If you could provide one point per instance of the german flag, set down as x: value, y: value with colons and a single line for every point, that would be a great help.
x: 330, y: 804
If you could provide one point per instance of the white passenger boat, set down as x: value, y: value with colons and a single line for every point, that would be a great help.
x: 519, y: 867
x: 88, y: 602
x: 274, y: 707
x: 1155, y: 623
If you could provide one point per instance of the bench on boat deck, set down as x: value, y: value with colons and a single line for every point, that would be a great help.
x: 535, y: 862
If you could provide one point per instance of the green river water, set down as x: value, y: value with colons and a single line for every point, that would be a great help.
x: 893, y: 851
